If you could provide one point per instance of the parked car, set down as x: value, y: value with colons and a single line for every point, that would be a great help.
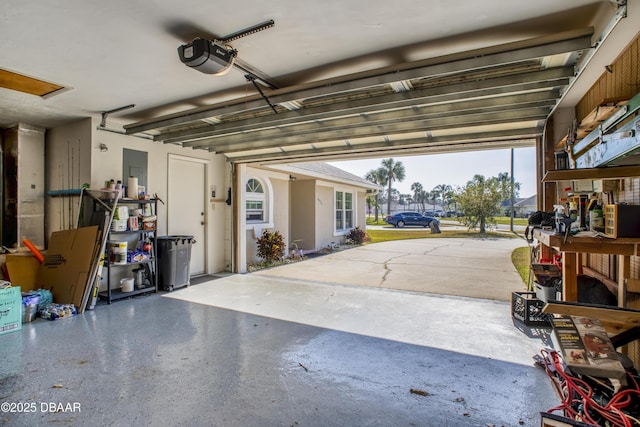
x: 410, y: 218
x: 437, y: 213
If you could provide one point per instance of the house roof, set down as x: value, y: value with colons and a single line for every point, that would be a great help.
x: 529, y: 201
x: 327, y: 172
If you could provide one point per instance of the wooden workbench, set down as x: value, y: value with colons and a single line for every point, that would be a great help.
x: 623, y: 324
x: 573, y: 246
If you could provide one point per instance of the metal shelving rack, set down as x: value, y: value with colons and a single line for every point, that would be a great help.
x: 133, y: 238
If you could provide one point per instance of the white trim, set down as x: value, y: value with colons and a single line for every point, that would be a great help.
x: 354, y: 205
x: 205, y: 202
x: 188, y: 158
x: 264, y: 179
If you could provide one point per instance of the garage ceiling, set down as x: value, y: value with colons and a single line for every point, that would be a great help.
x: 335, y: 79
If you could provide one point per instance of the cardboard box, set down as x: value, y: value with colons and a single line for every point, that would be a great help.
x: 68, y: 262
x: 23, y: 271
x: 10, y: 309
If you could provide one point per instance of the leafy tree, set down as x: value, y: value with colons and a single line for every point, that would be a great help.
x: 395, y: 172
x: 377, y: 176
x: 480, y: 201
x: 504, y: 181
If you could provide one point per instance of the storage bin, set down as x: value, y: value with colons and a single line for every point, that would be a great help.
x: 174, y: 257
x: 622, y: 221
x: 10, y: 309
x: 528, y: 309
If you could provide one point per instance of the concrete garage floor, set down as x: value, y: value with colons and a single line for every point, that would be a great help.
x: 264, y: 350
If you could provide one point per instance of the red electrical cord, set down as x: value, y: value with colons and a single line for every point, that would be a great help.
x: 575, y: 392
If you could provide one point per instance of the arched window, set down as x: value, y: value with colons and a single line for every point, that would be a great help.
x: 255, y: 201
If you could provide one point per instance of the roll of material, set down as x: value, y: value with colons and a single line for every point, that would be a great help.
x: 132, y: 187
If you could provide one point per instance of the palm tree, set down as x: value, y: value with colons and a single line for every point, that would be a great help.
x: 424, y: 198
x: 448, y: 197
x: 377, y: 176
x: 440, y: 190
x: 417, y: 188
x: 395, y: 172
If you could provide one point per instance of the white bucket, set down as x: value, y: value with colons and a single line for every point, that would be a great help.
x: 126, y: 284
x: 119, y: 225
x: 118, y: 252
x: 122, y: 212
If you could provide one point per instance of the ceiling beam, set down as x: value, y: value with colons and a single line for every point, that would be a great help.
x: 508, y: 53
x: 469, y: 142
x: 397, y: 132
x: 502, y: 85
x: 418, y: 123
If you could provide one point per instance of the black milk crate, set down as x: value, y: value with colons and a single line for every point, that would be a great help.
x: 528, y: 309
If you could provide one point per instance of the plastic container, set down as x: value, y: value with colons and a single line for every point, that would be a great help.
x: 526, y: 308
x: 118, y: 252
x: 174, y: 257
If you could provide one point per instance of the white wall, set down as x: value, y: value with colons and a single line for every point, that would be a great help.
x: 325, y: 212
x: 97, y: 166
x: 303, y: 214
x: 67, y: 166
x: 277, y: 189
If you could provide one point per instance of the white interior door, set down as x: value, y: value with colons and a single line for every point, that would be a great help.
x: 186, y: 209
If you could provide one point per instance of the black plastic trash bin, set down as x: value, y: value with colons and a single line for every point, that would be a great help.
x: 174, y: 257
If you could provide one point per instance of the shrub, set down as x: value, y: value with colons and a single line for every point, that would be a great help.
x: 358, y: 236
x: 271, y: 246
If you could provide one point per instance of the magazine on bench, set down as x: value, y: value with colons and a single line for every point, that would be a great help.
x: 585, y: 347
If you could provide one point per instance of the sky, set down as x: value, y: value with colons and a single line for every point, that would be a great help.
x: 456, y: 169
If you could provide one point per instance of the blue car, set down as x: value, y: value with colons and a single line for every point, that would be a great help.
x: 410, y: 218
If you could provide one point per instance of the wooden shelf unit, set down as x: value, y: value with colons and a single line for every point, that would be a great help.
x: 573, y: 246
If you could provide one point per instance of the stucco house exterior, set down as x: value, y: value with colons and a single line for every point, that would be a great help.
x: 312, y: 204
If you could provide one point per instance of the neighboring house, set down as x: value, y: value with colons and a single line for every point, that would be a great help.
x: 525, y: 207
x: 522, y: 206
x: 312, y: 204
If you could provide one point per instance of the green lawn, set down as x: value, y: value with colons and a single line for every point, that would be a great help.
x: 389, y: 234
x: 499, y: 220
x: 521, y: 261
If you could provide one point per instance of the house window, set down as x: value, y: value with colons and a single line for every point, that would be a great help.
x: 255, y: 201
x: 344, y: 210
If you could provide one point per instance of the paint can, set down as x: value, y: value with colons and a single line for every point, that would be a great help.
x: 126, y: 284
x: 122, y: 212
x: 119, y: 225
x: 118, y: 252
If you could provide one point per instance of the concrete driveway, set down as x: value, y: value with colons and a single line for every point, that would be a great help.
x: 469, y: 267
